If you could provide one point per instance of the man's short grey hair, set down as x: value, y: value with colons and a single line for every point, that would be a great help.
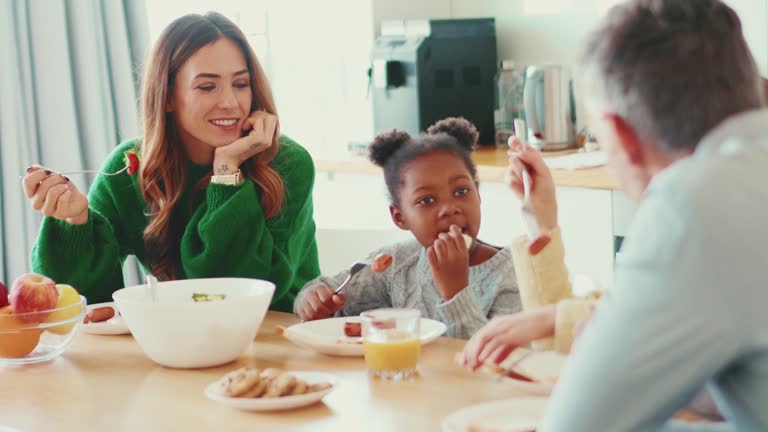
x: 673, y: 69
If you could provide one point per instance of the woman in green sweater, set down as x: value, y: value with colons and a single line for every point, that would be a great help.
x: 218, y: 191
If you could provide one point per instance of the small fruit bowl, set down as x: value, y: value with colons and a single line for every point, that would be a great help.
x: 25, y: 339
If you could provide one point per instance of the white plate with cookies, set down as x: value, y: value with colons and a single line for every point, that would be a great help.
x: 252, y: 389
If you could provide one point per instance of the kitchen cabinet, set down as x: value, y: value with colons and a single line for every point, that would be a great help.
x: 352, y: 218
x: 585, y: 218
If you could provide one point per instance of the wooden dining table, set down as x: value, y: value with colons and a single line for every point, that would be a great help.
x: 106, y: 383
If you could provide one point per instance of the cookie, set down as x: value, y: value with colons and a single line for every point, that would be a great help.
x: 267, y: 383
x: 300, y: 388
x: 257, y: 390
x: 281, y: 386
x: 238, y: 382
x: 222, y: 385
x: 270, y: 374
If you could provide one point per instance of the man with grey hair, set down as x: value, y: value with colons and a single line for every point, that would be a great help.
x: 675, y: 97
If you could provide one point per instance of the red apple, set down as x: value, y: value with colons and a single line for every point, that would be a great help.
x: 3, y: 296
x: 33, y: 293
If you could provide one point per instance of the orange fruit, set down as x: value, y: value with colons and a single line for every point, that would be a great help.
x: 15, y: 344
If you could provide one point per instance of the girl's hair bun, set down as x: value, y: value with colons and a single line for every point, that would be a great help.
x: 386, y: 144
x: 458, y: 127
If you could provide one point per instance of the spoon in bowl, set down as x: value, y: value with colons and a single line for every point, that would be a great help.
x: 152, y: 285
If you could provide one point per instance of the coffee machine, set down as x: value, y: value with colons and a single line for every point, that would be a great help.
x: 425, y: 70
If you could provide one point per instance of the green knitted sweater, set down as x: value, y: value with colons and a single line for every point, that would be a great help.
x: 225, y: 231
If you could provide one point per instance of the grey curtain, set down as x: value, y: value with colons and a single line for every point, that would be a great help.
x: 68, y: 96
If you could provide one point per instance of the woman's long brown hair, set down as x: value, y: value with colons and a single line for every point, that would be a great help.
x: 162, y: 173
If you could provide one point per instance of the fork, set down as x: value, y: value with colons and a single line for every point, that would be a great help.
x: 537, y: 239
x: 87, y: 172
x: 94, y: 172
x: 356, y: 267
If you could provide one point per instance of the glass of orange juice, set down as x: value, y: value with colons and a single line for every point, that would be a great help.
x: 391, y: 342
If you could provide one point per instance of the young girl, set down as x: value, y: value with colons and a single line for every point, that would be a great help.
x: 207, y: 109
x: 433, y: 188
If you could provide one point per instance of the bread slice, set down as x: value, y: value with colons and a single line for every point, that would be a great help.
x: 527, y: 365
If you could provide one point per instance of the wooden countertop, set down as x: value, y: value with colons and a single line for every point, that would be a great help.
x: 491, y: 164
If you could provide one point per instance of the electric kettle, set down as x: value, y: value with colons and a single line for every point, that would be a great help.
x: 548, y: 101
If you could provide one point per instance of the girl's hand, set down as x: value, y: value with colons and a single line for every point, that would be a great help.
x: 320, y: 302
x: 449, y: 260
x: 262, y: 127
x: 55, y: 196
x: 503, y: 334
x: 543, y: 196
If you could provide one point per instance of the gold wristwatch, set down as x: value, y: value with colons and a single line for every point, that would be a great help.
x: 228, y: 179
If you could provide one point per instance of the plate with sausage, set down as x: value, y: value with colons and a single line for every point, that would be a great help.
x: 342, y: 336
x: 104, y: 319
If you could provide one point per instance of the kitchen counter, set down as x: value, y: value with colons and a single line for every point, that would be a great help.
x: 491, y: 165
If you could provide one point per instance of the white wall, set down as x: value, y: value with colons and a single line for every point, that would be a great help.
x: 315, y: 54
x: 404, y: 9
x: 551, y: 31
x: 754, y: 20
x: 317, y: 59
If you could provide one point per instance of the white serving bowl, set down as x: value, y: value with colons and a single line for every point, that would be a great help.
x: 180, y: 333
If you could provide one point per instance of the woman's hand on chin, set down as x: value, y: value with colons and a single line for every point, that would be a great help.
x: 260, y: 129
